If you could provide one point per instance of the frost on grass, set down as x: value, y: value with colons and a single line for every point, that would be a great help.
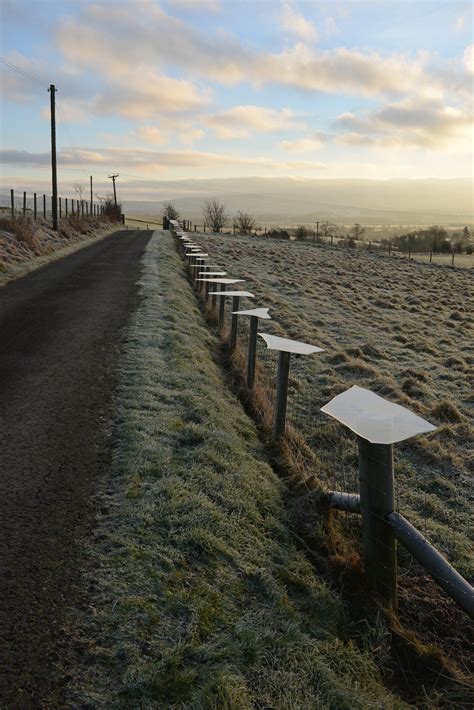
x: 359, y: 308
x: 200, y: 598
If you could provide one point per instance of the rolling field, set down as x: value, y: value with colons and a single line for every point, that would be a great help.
x: 399, y: 328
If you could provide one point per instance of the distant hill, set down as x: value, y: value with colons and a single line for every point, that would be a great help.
x: 293, y: 200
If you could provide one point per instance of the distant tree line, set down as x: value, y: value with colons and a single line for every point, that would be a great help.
x: 435, y: 239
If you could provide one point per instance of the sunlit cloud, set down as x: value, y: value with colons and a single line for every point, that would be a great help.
x: 149, y: 161
x: 302, y: 145
x: 413, y: 122
x: 294, y: 23
x: 240, y: 121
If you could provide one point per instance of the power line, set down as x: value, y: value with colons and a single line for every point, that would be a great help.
x: 22, y: 72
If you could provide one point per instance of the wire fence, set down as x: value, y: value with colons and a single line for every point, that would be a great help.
x: 338, y: 463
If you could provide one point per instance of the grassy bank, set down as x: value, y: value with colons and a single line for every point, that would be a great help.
x: 199, y: 597
x: 27, y: 244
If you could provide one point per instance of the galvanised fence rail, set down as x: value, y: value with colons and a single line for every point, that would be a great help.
x: 361, y: 426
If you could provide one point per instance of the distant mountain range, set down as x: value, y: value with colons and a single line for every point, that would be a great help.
x: 293, y: 200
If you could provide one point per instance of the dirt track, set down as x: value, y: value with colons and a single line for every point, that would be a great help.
x: 60, y: 334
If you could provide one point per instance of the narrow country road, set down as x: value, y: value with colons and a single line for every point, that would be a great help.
x: 61, y: 330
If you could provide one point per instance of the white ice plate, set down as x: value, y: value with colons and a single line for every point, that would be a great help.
x: 374, y: 418
x: 258, y: 312
x: 231, y: 293
x: 223, y: 281
x: 289, y: 346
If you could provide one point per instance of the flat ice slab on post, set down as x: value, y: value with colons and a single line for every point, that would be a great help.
x: 194, y: 254
x: 232, y: 293
x: 289, y: 346
x: 257, y: 312
x: 212, y: 273
x: 374, y: 418
x: 223, y: 281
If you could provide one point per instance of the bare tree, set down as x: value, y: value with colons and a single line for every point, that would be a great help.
x: 170, y: 211
x: 244, y: 222
x: 357, y: 231
x: 328, y: 230
x: 215, y: 215
x: 79, y: 190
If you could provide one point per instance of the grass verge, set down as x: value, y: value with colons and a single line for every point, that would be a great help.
x: 198, y: 596
x: 26, y: 245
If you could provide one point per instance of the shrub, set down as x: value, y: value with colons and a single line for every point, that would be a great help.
x: 301, y: 232
x: 113, y: 211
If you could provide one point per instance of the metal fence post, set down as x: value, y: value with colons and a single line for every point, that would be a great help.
x: 281, y: 395
x: 376, y: 502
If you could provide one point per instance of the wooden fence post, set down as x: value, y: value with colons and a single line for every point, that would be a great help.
x: 24, y: 203
x: 44, y: 205
x: 12, y: 201
x: 60, y: 207
x: 376, y: 502
x: 221, y: 306
x: 281, y: 395
x: 252, y: 351
x: 34, y: 205
x: 233, y: 322
x: 65, y: 204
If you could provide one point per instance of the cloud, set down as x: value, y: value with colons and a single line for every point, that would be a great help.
x: 468, y: 59
x: 195, y: 5
x: 149, y: 161
x: 412, y: 122
x: 240, y: 121
x: 152, y: 38
x: 152, y: 134
x: 296, y: 24
x: 303, y: 145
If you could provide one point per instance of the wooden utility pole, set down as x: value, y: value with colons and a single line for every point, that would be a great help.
x: 52, y: 92
x: 113, y: 177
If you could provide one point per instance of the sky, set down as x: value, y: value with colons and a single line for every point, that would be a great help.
x: 182, y: 89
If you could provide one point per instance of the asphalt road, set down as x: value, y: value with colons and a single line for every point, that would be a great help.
x: 61, y: 330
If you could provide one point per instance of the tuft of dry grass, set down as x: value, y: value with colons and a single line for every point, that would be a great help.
x: 23, y: 228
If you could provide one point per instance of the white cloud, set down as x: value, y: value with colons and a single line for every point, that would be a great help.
x: 240, y: 121
x: 152, y: 135
x: 151, y: 38
x: 294, y: 23
x: 412, y: 122
x: 188, y: 136
x: 302, y: 145
x: 149, y: 161
x: 195, y: 5
x: 468, y: 59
